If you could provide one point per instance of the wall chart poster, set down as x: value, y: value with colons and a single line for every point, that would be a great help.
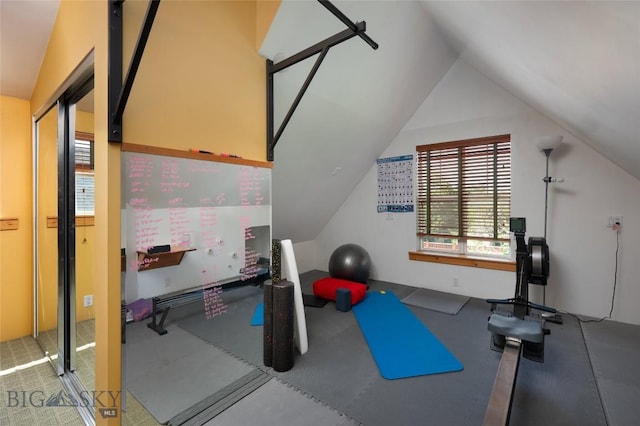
x: 395, y: 184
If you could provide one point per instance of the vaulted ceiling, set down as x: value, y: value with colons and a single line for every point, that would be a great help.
x: 578, y: 63
x: 356, y: 104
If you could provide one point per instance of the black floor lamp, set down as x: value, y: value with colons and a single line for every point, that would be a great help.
x: 547, y: 144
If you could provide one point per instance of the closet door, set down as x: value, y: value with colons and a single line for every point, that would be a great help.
x: 63, y: 299
x: 46, y: 235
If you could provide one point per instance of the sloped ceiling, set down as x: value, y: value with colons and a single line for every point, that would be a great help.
x: 576, y: 62
x: 358, y: 101
x: 25, y: 27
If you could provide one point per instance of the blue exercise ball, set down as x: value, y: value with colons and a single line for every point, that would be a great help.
x: 350, y: 262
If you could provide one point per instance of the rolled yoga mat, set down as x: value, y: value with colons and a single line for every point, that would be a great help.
x: 268, y: 324
x: 282, y: 326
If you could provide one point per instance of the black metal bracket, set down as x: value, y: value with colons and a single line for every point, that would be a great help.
x: 158, y: 327
x: 118, y: 90
x: 321, y: 48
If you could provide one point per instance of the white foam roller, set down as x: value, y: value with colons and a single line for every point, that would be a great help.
x: 290, y: 273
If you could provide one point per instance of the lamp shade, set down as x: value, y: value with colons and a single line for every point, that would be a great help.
x: 548, y: 142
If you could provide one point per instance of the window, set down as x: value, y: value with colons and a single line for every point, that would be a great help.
x: 84, y: 174
x: 464, y: 196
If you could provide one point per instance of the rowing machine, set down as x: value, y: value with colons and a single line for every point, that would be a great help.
x: 516, y: 331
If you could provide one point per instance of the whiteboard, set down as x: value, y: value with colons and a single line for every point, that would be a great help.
x: 220, y: 209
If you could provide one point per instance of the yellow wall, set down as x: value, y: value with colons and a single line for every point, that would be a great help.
x: 266, y: 11
x: 81, y: 28
x: 85, y: 253
x: 201, y: 84
x: 47, y: 251
x: 16, y: 124
x: 16, y: 290
x: 85, y: 244
x: 48, y: 237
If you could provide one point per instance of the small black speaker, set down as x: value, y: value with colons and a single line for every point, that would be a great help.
x: 166, y: 248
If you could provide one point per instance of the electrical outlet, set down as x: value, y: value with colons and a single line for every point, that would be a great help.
x: 456, y: 282
x: 88, y: 300
x: 613, y: 220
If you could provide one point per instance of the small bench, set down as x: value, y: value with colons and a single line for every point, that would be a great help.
x: 163, y: 304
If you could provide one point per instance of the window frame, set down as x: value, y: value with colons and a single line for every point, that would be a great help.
x: 458, y: 161
x: 84, y: 168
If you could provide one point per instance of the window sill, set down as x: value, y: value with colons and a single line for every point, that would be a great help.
x: 464, y: 260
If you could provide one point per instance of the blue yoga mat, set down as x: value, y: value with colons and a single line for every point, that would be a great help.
x: 400, y: 344
x: 258, y: 315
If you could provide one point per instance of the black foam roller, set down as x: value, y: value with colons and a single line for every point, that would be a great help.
x: 283, y: 326
x: 276, y: 258
x: 268, y: 324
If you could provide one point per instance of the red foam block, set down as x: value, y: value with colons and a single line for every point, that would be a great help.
x: 326, y: 288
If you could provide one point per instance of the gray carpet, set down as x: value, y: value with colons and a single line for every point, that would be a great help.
x: 170, y: 374
x: 436, y: 301
x: 277, y: 404
x: 562, y: 390
x: 615, y: 351
x: 339, y: 371
x: 232, y: 331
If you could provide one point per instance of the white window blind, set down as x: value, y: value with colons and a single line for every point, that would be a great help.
x: 85, y: 181
x: 85, y: 200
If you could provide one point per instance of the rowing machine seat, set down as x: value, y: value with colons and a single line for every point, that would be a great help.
x: 527, y: 330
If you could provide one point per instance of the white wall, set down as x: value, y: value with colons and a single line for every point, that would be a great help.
x: 305, y: 253
x: 464, y: 105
